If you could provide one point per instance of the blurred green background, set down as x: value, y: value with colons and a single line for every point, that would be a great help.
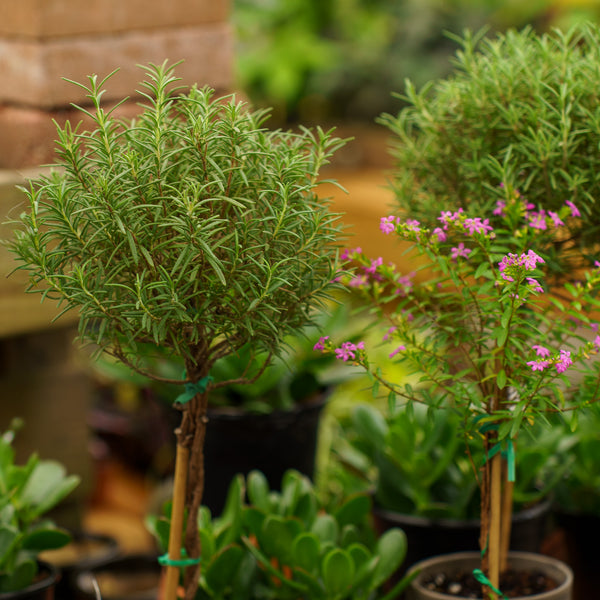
x: 332, y: 61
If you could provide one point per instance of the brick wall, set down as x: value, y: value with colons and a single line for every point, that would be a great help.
x: 44, y: 41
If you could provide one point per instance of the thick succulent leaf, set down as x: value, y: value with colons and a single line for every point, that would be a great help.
x: 21, y: 577
x: 338, y: 572
x: 305, y: 552
x: 47, y: 486
x: 46, y: 538
x: 8, y: 537
x: 354, y: 511
x: 222, y: 571
x: 391, y: 550
x: 326, y: 528
x: 258, y: 490
x: 277, y: 537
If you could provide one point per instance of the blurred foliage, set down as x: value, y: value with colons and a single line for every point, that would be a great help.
x: 315, y: 60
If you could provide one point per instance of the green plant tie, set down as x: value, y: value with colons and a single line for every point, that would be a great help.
x: 165, y: 561
x: 192, y: 388
x: 481, y: 578
x: 508, y: 455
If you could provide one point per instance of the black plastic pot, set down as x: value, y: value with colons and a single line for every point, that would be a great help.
x: 42, y: 589
x: 581, y: 534
x: 134, y: 577
x: 450, y: 564
x: 430, y: 537
x: 86, y: 551
x: 238, y: 442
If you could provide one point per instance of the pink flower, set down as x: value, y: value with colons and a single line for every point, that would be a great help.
x: 348, y: 350
x: 399, y: 349
x: 541, y: 351
x: 597, y: 342
x: 440, y: 233
x: 530, y: 260
x: 460, y: 251
x: 499, y: 210
x: 387, y: 224
x: 388, y: 334
x: 349, y: 253
x: 564, y: 362
x: 358, y: 281
x: 538, y: 220
x: 476, y: 225
x: 534, y: 284
x: 320, y: 345
x: 574, y: 210
x: 555, y: 219
x: 374, y: 264
x: 538, y: 365
x: 413, y: 225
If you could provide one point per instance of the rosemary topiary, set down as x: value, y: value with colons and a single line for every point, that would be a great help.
x: 520, y: 111
x: 192, y: 228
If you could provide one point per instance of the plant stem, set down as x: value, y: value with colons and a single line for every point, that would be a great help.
x: 177, y: 512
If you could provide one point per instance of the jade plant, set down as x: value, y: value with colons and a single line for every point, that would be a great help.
x: 191, y: 228
x: 478, y: 334
x: 288, y: 545
x: 27, y: 493
x: 418, y: 466
x: 517, y: 105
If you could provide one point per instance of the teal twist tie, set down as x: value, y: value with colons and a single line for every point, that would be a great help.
x: 192, y: 388
x: 165, y: 561
x: 481, y: 578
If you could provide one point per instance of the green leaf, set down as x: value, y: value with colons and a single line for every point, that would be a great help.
x: 338, y: 572
x: 258, y: 490
x: 501, y: 379
x: 354, y: 511
x: 47, y: 486
x: 48, y: 538
x: 222, y: 570
x: 326, y: 528
x: 20, y: 577
x: 391, y: 551
x: 8, y: 537
x: 305, y: 552
x: 277, y: 537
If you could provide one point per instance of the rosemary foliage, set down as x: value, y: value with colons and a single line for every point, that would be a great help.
x: 192, y: 227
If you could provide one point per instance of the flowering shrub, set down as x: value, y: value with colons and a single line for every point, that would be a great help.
x: 478, y: 330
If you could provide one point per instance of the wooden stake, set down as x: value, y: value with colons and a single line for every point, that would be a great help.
x: 495, y: 522
x: 175, y: 535
x: 507, y: 505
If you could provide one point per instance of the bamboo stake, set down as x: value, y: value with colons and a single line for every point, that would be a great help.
x: 507, y: 505
x: 495, y: 523
x: 177, y: 512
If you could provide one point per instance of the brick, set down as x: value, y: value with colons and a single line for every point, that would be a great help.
x: 52, y: 18
x: 31, y: 72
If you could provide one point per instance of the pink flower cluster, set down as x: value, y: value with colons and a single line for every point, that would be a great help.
x: 529, y: 260
x: 348, y: 350
x: 562, y: 362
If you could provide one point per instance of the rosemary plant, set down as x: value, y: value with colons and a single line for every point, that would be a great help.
x: 520, y: 108
x: 192, y: 228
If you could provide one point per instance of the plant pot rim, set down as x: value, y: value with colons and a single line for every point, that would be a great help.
x: 557, y: 566
x: 522, y: 515
x: 49, y: 580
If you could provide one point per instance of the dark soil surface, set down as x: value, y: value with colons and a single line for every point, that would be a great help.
x: 513, y: 584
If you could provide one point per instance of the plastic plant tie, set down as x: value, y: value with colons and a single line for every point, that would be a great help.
x: 481, y: 578
x: 192, y: 388
x: 508, y: 455
x: 165, y: 561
